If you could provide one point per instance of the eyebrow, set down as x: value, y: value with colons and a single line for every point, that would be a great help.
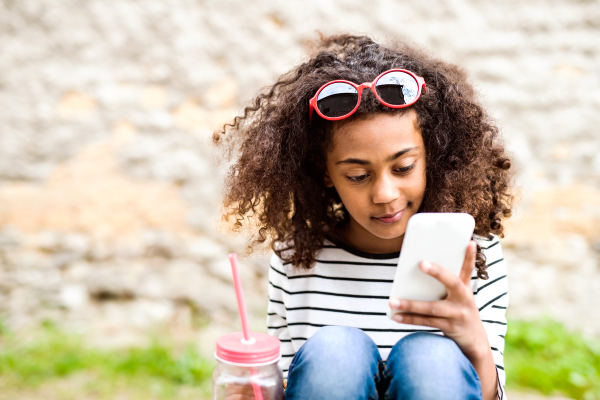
x: 366, y: 162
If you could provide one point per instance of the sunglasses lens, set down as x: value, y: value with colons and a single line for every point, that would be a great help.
x: 397, y: 88
x: 337, y: 99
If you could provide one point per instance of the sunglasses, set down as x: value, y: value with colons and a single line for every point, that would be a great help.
x: 396, y: 88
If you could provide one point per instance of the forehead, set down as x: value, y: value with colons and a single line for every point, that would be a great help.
x: 376, y: 137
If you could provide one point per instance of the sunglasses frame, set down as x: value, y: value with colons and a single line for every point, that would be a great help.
x: 371, y: 85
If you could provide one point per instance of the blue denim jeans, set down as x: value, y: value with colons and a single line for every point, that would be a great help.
x: 344, y: 363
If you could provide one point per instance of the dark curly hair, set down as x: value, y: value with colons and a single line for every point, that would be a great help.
x: 277, y: 176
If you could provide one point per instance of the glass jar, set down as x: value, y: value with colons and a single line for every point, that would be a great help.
x: 247, y: 367
x: 229, y: 379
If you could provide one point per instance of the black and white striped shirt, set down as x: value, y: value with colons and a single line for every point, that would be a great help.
x: 348, y: 287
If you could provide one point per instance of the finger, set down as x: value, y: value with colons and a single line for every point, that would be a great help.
x: 432, y: 308
x: 422, y: 320
x: 452, y: 282
x: 469, y: 263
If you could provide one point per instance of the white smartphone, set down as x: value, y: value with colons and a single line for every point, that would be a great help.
x: 441, y: 238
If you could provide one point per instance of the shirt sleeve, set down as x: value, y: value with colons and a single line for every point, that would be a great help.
x: 276, y: 312
x: 492, y: 299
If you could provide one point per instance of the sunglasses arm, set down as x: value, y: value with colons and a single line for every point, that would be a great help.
x: 422, y: 84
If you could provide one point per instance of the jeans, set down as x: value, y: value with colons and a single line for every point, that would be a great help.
x: 344, y: 363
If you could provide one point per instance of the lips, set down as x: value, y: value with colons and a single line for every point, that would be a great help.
x: 390, y: 218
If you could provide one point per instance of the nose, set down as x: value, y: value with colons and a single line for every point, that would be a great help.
x: 385, y: 190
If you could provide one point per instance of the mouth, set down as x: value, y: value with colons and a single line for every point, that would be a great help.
x: 390, y: 218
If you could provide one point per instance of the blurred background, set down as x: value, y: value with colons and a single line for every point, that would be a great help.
x: 114, y: 280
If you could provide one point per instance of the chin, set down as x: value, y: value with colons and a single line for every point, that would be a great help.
x: 388, y: 234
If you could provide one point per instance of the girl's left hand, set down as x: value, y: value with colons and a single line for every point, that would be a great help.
x: 457, y: 315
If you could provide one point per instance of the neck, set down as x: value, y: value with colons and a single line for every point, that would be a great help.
x: 355, y: 236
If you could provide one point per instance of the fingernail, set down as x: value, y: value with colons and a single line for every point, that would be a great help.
x: 398, y: 318
x: 426, y: 265
x: 395, y: 303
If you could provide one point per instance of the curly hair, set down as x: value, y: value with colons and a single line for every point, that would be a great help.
x: 280, y: 158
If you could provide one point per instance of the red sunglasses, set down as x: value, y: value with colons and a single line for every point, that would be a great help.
x: 395, y: 88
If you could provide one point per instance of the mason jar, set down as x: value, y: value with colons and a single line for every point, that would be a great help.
x: 247, y: 367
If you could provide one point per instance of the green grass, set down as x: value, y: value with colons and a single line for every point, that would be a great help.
x: 544, y: 356
x: 158, y: 371
x: 50, y: 364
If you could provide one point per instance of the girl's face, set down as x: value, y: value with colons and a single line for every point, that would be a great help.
x: 377, y: 166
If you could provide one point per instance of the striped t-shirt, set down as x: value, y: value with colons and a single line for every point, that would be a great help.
x: 348, y: 287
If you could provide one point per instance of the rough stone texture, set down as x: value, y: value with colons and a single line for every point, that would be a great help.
x: 108, y: 190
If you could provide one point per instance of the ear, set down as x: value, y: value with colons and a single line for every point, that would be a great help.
x: 327, y: 180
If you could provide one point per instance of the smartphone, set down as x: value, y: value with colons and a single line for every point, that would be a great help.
x: 441, y: 238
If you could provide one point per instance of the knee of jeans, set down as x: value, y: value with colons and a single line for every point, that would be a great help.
x: 427, y: 348
x: 421, y: 358
x: 341, y: 339
x: 340, y: 336
x: 335, y: 359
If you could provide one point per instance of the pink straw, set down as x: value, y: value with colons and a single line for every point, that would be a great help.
x: 239, y: 293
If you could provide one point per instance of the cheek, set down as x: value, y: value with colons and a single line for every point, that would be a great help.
x: 355, y: 201
x: 349, y: 196
x: 418, y: 184
x: 423, y: 180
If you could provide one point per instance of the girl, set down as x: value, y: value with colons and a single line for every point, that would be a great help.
x: 332, y: 161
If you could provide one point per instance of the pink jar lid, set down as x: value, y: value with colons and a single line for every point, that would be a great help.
x: 260, y: 349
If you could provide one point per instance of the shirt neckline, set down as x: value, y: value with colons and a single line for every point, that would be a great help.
x: 364, y: 254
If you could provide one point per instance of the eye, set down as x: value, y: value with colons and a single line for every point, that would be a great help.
x: 405, y: 170
x: 358, y: 178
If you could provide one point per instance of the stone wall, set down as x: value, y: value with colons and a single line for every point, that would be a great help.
x: 108, y: 187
